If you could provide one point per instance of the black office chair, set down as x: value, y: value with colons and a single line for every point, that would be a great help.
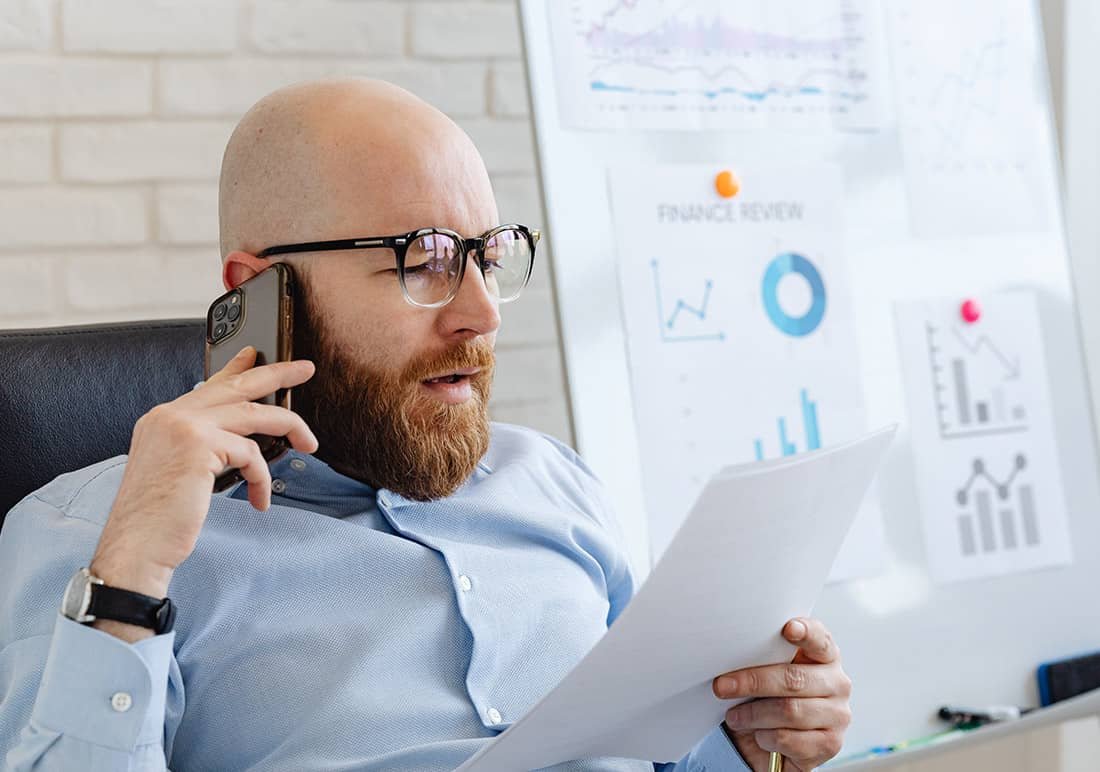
x: 69, y: 396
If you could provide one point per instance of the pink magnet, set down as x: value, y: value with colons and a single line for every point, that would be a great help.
x: 971, y: 311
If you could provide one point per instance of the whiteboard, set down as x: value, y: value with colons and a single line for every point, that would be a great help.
x: 910, y: 644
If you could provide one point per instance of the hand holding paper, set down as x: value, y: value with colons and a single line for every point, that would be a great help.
x: 800, y: 709
x: 754, y: 552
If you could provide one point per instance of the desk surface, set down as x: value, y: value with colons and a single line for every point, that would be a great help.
x: 1082, y: 706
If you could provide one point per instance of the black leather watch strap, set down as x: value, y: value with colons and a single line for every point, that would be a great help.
x: 156, y: 614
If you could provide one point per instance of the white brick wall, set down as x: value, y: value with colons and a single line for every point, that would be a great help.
x: 50, y: 87
x: 327, y: 27
x: 25, y: 25
x: 149, y: 26
x: 26, y: 153
x: 114, y: 115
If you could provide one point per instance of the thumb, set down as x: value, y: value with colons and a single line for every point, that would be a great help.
x: 756, y: 757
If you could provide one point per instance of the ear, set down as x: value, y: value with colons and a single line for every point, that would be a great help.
x: 241, y: 266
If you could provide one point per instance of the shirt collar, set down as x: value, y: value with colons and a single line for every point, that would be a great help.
x: 310, y: 483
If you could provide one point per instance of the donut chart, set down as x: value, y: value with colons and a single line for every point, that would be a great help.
x: 796, y: 326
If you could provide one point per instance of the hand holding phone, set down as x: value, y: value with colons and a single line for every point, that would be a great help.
x: 177, y: 449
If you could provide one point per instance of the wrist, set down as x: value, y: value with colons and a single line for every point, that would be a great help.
x: 128, y: 573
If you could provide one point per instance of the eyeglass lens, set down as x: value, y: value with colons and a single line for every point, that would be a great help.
x: 433, y: 262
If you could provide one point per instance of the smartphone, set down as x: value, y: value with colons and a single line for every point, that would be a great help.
x: 259, y: 313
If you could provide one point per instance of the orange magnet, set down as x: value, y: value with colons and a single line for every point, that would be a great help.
x: 727, y: 184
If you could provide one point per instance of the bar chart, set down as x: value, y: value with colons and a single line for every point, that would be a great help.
x: 976, y: 386
x: 997, y: 515
x: 810, y: 428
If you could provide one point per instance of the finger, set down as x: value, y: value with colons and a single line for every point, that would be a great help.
x: 789, y: 713
x: 813, y: 639
x: 806, y: 748
x: 253, y: 384
x: 244, y: 455
x: 240, y: 362
x: 246, y: 418
x: 793, y: 680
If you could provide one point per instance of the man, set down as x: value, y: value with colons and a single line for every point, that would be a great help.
x: 404, y: 583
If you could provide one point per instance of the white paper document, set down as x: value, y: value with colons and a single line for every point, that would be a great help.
x: 973, y: 114
x: 719, y: 64
x: 981, y: 425
x: 754, y: 552
x: 740, y: 330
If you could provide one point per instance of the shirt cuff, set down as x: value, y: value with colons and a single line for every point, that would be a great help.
x: 99, y: 689
x: 716, y: 753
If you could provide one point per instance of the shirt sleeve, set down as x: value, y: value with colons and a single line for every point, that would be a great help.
x: 99, y: 705
x: 714, y: 753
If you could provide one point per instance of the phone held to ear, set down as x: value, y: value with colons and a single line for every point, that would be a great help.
x: 258, y: 313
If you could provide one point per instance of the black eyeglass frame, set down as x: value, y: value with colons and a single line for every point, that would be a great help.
x: 400, y: 246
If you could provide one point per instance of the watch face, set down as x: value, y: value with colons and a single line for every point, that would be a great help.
x: 75, y: 603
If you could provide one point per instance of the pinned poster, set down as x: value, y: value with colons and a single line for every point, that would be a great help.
x: 719, y: 64
x: 982, y: 434
x: 973, y: 115
x: 739, y: 330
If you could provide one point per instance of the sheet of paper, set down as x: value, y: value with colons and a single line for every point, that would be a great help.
x: 719, y: 64
x: 981, y: 428
x: 754, y: 552
x: 740, y: 331
x: 973, y: 115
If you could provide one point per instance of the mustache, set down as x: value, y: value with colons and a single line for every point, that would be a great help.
x: 470, y: 353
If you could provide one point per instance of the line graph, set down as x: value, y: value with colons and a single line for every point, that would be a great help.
x: 1012, y: 367
x: 979, y: 471
x: 739, y: 62
x: 715, y: 34
x: 972, y: 112
x: 667, y: 322
x: 971, y: 91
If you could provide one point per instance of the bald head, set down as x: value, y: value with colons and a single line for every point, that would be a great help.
x: 343, y: 158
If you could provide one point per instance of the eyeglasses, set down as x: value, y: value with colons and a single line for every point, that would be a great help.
x: 432, y: 261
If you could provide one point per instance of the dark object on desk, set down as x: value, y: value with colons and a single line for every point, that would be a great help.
x: 972, y: 718
x: 69, y: 396
x: 1068, y: 677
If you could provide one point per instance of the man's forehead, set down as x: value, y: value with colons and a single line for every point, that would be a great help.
x: 398, y: 216
x: 435, y: 187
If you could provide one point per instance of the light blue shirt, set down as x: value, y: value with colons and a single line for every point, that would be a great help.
x: 343, y: 629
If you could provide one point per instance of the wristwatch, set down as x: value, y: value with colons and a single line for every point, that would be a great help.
x: 87, y: 599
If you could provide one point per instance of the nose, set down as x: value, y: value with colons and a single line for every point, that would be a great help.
x: 474, y: 310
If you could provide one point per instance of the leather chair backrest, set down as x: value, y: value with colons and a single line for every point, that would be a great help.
x: 69, y: 396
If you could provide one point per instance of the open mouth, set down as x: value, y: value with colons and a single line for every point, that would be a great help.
x: 458, y: 376
x: 452, y: 378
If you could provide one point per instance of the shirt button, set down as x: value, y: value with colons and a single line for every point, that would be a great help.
x: 297, y: 464
x: 277, y: 485
x: 494, y: 716
x: 465, y: 583
x: 121, y: 702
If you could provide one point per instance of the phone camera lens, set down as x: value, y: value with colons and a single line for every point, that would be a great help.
x: 219, y: 330
x: 234, y: 313
x: 219, y: 312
